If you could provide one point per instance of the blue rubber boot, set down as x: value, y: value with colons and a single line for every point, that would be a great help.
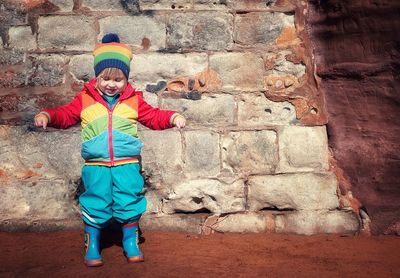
x: 92, y: 246
x: 130, y: 242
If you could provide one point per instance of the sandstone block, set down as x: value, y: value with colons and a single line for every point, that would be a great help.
x: 305, y: 191
x: 151, y: 99
x: 63, y: 5
x: 30, y: 225
x: 318, y: 222
x: 162, y: 155
x: 261, y: 5
x: 151, y: 33
x: 81, y: 67
x: 48, y: 154
x: 21, y: 37
x: 239, y: 71
x: 153, y: 202
x: 12, y: 79
x: 259, y: 28
x: 54, y: 34
x: 176, y: 223
x: 40, y: 173
x: 251, y: 152
x: 11, y: 56
x: 165, y: 4
x: 202, y: 153
x: 205, y: 194
x: 151, y: 68
x: 200, y: 31
x: 38, y: 198
x: 210, y: 110
x: 281, y: 66
x: 211, y: 5
x: 63, y: 151
x: 303, y: 149
x: 12, y: 14
x: 46, y: 70
x: 241, y: 223
x: 102, y: 5
x: 255, y: 109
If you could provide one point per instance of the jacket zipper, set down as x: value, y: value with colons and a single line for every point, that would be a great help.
x: 110, y: 138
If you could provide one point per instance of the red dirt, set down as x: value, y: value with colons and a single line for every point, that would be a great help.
x: 59, y: 254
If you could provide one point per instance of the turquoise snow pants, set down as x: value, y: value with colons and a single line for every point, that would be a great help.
x: 112, y: 192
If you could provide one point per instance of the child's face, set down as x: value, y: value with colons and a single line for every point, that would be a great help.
x: 111, y: 82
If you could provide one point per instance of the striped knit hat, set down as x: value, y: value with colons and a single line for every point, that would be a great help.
x: 110, y: 53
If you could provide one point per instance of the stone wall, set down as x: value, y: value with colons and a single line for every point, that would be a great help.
x: 254, y: 156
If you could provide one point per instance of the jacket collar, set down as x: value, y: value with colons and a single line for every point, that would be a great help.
x: 91, y: 89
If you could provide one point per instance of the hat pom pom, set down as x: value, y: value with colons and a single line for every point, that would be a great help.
x: 110, y: 37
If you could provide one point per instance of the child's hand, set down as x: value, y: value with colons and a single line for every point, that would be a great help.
x: 41, y: 120
x: 179, y: 121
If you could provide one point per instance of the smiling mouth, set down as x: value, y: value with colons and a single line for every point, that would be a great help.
x: 111, y: 92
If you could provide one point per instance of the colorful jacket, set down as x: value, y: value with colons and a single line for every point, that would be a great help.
x: 109, y: 136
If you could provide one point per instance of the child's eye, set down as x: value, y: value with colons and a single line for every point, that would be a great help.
x: 106, y: 78
x: 118, y: 79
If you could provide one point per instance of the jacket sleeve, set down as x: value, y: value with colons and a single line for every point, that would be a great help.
x: 67, y: 115
x: 151, y: 117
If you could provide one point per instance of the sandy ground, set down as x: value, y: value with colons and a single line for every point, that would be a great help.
x: 59, y: 254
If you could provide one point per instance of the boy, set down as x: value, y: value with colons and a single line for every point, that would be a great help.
x: 109, y: 108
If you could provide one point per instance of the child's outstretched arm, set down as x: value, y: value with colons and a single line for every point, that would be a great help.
x: 156, y: 118
x: 60, y: 117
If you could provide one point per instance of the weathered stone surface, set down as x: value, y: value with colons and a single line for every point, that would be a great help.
x: 361, y: 88
x: 255, y: 109
x: 102, y: 5
x: 8, y: 79
x: 154, y: 200
x: 305, y: 191
x: 205, y: 194
x: 165, y: 4
x: 12, y: 14
x: 38, y: 166
x: 150, y: 34
x: 11, y: 56
x: 241, y: 223
x: 50, y: 154
x: 162, y: 156
x: 177, y: 223
x: 303, y: 149
x: 46, y: 70
x: 151, y: 68
x: 63, y: 5
x: 202, y: 153
x: 152, y: 99
x: 54, y: 33
x: 239, y: 71
x: 279, y: 65
x: 260, y: 28
x: 210, y: 110
x: 251, y: 152
x: 200, y: 31
x: 262, y: 5
x: 211, y: 5
x: 21, y: 37
x: 34, y: 225
x: 81, y: 66
x: 318, y: 222
x: 34, y: 197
